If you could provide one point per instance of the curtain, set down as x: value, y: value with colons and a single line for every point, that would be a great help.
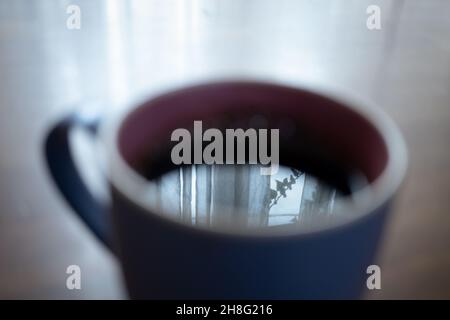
x: 239, y: 196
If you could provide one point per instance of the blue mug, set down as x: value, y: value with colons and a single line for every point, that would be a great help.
x: 165, y: 258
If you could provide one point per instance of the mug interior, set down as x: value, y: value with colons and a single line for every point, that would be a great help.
x: 313, y: 129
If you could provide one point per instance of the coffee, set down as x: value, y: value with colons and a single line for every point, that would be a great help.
x: 239, y: 196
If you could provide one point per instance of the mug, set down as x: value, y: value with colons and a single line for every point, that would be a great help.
x: 165, y: 258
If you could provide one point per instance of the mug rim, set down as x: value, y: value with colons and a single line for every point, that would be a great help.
x: 133, y: 186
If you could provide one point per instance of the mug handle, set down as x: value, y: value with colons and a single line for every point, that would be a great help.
x: 59, y: 158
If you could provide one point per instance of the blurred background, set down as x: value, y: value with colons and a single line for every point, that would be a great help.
x: 126, y: 49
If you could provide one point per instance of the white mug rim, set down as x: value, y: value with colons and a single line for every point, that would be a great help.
x: 131, y: 185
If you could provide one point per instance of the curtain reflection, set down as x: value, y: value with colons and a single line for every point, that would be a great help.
x: 239, y: 196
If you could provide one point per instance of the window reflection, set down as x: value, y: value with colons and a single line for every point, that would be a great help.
x: 238, y: 195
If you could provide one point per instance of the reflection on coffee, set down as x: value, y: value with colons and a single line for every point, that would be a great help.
x: 239, y: 196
